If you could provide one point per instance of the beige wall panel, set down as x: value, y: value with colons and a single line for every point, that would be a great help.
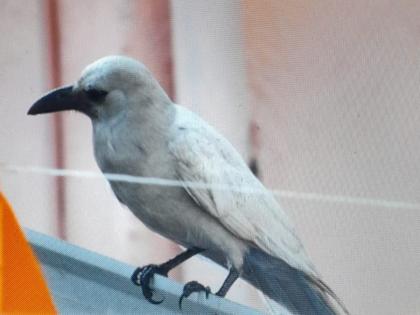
x: 24, y: 140
x: 336, y: 92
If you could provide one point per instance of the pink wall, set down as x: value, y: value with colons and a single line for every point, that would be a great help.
x: 335, y: 89
x: 25, y: 141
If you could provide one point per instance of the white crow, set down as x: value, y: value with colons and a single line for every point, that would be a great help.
x: 232, y: 219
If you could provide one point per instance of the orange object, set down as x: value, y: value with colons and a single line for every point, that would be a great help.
x: 22, y: 286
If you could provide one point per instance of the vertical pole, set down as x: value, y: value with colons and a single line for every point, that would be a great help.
x: 55, y: 77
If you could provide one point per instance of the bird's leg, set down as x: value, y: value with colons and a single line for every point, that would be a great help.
x: 229, y: 281
x: 143, y: 275
x: 194, y: 286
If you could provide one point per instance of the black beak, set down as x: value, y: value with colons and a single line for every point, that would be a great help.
x: 57, y: 100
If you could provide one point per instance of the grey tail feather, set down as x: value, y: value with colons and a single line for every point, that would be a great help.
x: 290, y: 287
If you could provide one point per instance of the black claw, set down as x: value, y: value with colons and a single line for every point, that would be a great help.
x: 142, y: 277
x: 191, y: 287
x: 155, y: 301
x: 135, y: 277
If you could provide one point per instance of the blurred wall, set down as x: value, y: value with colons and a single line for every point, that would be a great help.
x: 335, y: 90
x: 23, y: 79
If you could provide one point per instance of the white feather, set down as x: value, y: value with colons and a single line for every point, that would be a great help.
x: 203, y: 155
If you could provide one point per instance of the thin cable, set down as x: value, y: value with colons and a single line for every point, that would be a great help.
x: 201, y: 185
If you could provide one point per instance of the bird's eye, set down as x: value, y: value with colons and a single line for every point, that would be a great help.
x: 96, y: 95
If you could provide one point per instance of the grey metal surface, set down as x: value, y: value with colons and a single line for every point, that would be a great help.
x: 82, y: 281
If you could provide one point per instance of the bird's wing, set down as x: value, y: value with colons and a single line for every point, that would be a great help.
x: 233, y: 195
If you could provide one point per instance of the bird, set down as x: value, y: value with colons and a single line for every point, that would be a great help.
x: 219, y: 209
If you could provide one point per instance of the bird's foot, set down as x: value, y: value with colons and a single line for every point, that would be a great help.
x: 191, y: 287
x: 142, y: 277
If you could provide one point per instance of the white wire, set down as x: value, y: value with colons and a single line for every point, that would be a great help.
x: 200, y: 185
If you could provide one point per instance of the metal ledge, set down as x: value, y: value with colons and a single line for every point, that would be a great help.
x: 82, y: 281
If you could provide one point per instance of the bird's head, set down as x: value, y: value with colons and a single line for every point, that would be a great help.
x: 106, y: 88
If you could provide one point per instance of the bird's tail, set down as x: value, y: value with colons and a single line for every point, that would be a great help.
x: 291, y: 288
